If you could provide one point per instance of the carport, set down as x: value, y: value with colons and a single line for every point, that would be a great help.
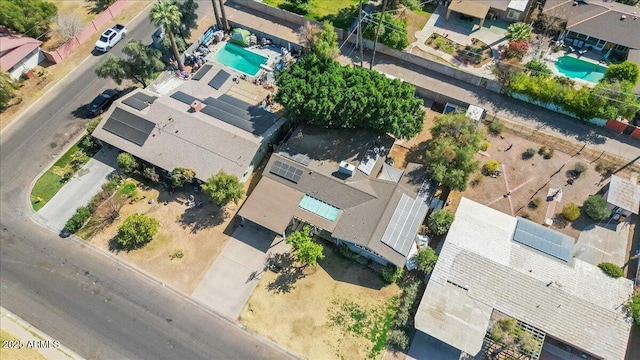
x: 469, y: 8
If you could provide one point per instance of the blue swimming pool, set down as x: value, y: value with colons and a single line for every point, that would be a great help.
x: 240, y: 59
x: 579, y: 69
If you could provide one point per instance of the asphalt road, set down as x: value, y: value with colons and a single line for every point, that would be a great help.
x: 75, y: 293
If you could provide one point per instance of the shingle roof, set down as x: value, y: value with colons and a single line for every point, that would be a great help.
x: 624, y: 193
x: 599, y: 19
x: 577, y: 303
x: 14, y: 47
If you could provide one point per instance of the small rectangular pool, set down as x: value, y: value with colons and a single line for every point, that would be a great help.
x: 240, y: 59
x: 578, y: 69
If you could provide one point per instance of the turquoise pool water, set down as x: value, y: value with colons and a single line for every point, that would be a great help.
x: 238, y: 58
x: 578, y: 69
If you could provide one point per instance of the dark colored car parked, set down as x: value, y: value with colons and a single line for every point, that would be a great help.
x: 102, y: 102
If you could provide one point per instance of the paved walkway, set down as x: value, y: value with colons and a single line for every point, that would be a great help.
x: 79, y: 190
x: 234, y: 275
x: 26, y: 334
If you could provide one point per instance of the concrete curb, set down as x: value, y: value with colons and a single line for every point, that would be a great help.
x: 27, y: 335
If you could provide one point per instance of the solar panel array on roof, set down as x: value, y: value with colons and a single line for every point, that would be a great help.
x: 219, y: 79
x: 299, y: 158
x: 183, y: 97
x: 404, y: 224
x: 129, y: 126
x: 235, y: 101
x: 369, y: 160
x: 202, y: 72
x: 286, y: 171
x: 545, y: 240
x: 139, y: 101
x: 239, y: 114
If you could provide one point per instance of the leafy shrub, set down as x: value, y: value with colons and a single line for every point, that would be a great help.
x: 393, y: 32
x: 181, y: 176
x: 580, y: 168
x: 535, y: 203
x: 496, y: 127
x: 611, y: 269
x: 542, y: 150
x: 128, y: 189
x: 398, y: 339
x: 151, y: 174
x: 440, y: 42
x: 625, y: 71
x: 538, y: 68
x: 549, y: 154
x: 440, y: 221
x: 127, y: 163
x: 596, y: 208
x: 519, y: 31
x: 391, y: 273
x: 528, y: 154
x: 516, y: 49
x: 78, y: 219
x: 571, y: 212
x: 491, y: 166
x: 401, y: 320
x: 476, y: 181
x: 633, y: 309
x: 448, y: 49
x: 484, y: 146
x: 425, y: 259
x: 603, y: 167
x: 136, y: 230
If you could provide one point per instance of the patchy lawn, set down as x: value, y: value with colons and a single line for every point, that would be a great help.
x: 341, y: 13
x: 17, y: 354
x: 339, y: 310
x: 415, y: 22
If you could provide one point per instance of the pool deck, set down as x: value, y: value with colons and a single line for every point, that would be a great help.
x: 268, y: 52
x: 591, y: 56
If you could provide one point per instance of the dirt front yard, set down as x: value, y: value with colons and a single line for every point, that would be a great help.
x: 198, y: 232
x: 333, y: 312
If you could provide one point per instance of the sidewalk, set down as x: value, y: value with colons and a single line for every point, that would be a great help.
x: 79, y: 190
x: 29, y: 337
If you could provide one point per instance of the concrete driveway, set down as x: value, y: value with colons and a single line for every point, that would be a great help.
x: 79, y: 190
x: 235, y: 273
x: 605, y: 242
x: 425, y: 347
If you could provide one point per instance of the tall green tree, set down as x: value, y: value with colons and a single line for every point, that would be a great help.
x: 136, y: 230
x: 596, y: 207
x: 518, y: 31
x: 510, y: 335
x: 425, y: 259
x: 141, y: 64
x: 189, y: 19
x: 440, y: 221
x: 305, y: 249
x: 321, y: 41
x: 625, y: 71
x: 181, y: 176
x: 319, y: 91
x: 29, y: 17
x: 127, y: 163
x: 165, y: 13
x: 223, y: 188
x: 450, y: 155
x: 8, y: 89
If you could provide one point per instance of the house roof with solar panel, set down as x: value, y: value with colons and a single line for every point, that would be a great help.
x: 494, y: 261
x: 338, y: 181
x: 198, y: 125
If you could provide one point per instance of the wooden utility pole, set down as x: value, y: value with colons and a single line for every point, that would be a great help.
x: 216, y: 13
x: 360, y: 35
x: 375, y: 43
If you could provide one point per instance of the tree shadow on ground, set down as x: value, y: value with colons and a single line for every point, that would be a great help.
x: 203, y: 217
x: 287, y: 277
x: 343, y: 19
x: 97, y: 6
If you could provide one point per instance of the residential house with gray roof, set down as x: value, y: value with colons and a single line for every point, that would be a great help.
x: 342, y: 185
x: 197, y: 125
x: 494, y: 265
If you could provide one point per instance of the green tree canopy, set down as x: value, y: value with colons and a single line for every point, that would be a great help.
x: 165, y: 13
x: 510, y: 335
x: 450, y: 155
x: 518, y: 31
x: 625, y: 71
x: 306, y: 250
x: 181, y: 176
x: 393, y: 32
x: 538, y: 68
x: 8, y: 89
x: 596, y: 207
x: 318, y: 91
x: 440, y: 221
x: 141, y: 64
x: 189, y: 18
x: 321, y: 41
x: 425, y: 259
x: 633, y: 309
x: 136, y: 230
x: 29, y: 17
x: 127, y: 163
x: 223, y: 188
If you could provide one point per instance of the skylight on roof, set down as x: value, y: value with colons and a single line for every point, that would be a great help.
x: 319, y: 208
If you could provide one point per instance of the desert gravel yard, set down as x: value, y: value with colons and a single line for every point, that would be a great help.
x: 335, y: 311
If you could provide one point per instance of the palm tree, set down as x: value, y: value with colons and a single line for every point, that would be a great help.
x: 166, y: 14
x: 519, y: 31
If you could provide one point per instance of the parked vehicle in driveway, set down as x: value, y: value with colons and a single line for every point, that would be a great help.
x: 110, y: 37
x: 102, y: 102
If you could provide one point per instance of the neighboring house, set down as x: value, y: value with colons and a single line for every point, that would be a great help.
x: 198, y: 126
x: 602, y: 25
x: 338, y: 182
x: 508, y: 10
x: 18, y: 53
x: 623, y: 195
x: 493, y: 263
